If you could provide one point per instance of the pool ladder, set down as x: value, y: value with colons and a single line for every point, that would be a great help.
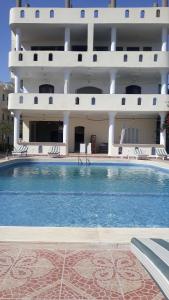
x: 86, y: 163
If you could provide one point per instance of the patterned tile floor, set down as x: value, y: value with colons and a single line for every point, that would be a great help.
x: 39, y: 271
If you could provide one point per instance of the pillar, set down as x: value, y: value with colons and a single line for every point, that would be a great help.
x: 66, y: 82
x: 67, y: 39
x: 111, y: 132
x: 112, y: 82
x: 164, y: 83
x: 162, y: 132
x: 17, y: 84
x: 16, y: 127
x: 66, y: 129
x: 18, y: 39
x: 113, y: 39
x: 90, y: 37
x: 164, y: 45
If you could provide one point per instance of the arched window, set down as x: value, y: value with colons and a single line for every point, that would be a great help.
x: 50, y: 58
x: 154, y: 101
x: 50, y: 100
x: 89, y: 90
x: 46, y: 89
x: 142, y: 14
x: 35, y: 57
x: 139, y: 101
x: 21, y: 99
x: 155, y: 57
x: 133, y: 89
x: 95, y: 57
x: 20, y: 56
x: 37, y: 14
x: 22, y: 14
x: 140, y: 58
x: 93, y: 101
x: 157, y: 13
x: 79, y: 57
x: 125, y: 58
x: 96, y: 14
x: 52, y: 14
x: 35, y: 100
x: 77, y: 101
x: 123, y: 101
x: 127, y: 13
x: 82, y: 13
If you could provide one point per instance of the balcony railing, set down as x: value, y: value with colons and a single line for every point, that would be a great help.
x: 87, y: 102
x: 121, y: 59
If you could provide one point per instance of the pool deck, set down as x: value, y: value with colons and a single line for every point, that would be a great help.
x: 75, y: 263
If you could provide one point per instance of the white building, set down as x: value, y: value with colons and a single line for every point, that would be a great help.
x: 6, y: 135
x: 89, y: 72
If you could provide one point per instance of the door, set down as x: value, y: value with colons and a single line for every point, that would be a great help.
x: 79, y: 137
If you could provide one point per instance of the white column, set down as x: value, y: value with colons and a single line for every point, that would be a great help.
x: 66, y: 82
x: 111, y: 132
x: 18, y: 39
x: 113, y: 39
x: 162, y: 132
x: 164, y: 45
x: 66, y: 129
x: 17, y: 84
x: 164, y: 83
x: 90, y: 37
x: 16, y: 127
x: 67, y: 39
x: 112, y: 82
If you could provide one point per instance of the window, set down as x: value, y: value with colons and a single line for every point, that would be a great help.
x: 142, y: 14
x: 96, y: 14
x: 50, y: 100
x: 3, y: 97
x: 139, y: 101
x: 131, y: 136
x: 95, y: 57
x: 52, y: 14
x: 20, y: 56
x: 35, y: 100
x: 82, y: 13
x: 140, y: 58
x: 21, y: 99
x: 157, y: 13
x: 50, y: 58
x: 22, y: 14
x: 46, y: 89
x: 79, y: 57
x: 37, y: 14
x: 93, y: 101
x: 77, y: 101
x: 123, y: 101
x: 155, y: 57
x: 21, y: 84
x: 125, y: 58
x: 127, y: 14
x: 35, y: 57
x: 154, y: 101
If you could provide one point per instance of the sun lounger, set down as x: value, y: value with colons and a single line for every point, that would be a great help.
x: 139, y: 154
x: 161, y: 153
x: 54, y: 151
x: 21, y: 150
x: 154, y: 255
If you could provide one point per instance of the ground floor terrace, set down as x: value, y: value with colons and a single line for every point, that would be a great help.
x: 89, y: 133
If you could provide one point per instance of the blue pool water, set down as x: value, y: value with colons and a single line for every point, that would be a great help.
x: 118, y: 195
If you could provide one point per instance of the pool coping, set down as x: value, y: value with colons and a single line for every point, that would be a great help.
x: 81, y: 235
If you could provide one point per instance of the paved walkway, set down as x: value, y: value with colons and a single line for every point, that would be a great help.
x: 73, y: 271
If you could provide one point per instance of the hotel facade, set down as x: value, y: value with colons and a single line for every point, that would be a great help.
x: 90, y: 75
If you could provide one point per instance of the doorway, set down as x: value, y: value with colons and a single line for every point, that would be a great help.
x: 79, y: 137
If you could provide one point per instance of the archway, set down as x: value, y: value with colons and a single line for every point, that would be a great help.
x: 46, y: 89
x: 89, y: 90
x: 133, y: 89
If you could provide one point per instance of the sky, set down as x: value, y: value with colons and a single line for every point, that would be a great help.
x: 5, y: 6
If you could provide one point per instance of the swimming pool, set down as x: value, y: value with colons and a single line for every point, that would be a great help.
x: 53, y: 194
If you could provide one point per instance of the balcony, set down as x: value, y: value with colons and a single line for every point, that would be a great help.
x: 151, y: 15
x: 119, y: 59
x: 94, y: 103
